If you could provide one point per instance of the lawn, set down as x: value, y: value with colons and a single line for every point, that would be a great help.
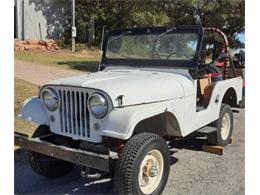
x: 79, y: 61
x: 23, y: 90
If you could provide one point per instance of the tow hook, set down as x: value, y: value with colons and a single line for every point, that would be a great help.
x: 84, y: 171
x: 87, y: 173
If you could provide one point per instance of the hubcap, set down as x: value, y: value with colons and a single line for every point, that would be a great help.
x: 225, y: 126
x: 151, y: 171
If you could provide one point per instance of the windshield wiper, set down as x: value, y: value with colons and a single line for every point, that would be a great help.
x: 165, y: 32
x: 154, y: 49
x: 122, y: 34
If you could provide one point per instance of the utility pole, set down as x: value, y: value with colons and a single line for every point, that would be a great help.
x: 91, y: 37
x: 73, y: 28
x: 23, y: 20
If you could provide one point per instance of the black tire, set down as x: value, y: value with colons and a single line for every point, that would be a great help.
x: 217, y: 138
x: 46, y: 166
x: 130, y: 159
x: 242, y: 103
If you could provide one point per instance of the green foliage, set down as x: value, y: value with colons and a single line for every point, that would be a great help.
x: 136, y: 46
x: 62, y: 43
x: 80, y: 46
x: 147, y: 18
x: 227, y: 15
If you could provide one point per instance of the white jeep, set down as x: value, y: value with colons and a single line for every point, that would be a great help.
x: 153, y: 84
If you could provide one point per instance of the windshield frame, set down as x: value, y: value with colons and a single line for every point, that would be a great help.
x: 189, y: 63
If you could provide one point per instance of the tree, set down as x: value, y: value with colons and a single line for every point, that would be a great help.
x: 227, y: 15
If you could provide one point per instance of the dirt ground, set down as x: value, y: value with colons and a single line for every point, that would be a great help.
x: 40, y: 74
x: 192, y: 171
x: 198, y: 172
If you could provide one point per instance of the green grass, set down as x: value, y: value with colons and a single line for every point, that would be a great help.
x: 23, y: 90
x: 85, y: 62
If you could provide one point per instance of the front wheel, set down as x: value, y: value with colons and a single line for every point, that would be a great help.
x: 143, y: 165
x: 46, y: 166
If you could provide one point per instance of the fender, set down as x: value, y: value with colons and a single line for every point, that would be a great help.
x: 235, y: 84
x: 211, y: 113
x: 121, y: 121
x: 33, y: 110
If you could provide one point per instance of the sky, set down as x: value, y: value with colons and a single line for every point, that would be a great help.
x: 241, y: 37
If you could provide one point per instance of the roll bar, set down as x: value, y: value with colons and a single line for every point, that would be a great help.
x: 228, y: 62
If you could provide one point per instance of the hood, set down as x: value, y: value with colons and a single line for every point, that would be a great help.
x: 136, y: 86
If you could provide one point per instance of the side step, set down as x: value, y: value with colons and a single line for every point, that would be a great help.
x: 207, y: 129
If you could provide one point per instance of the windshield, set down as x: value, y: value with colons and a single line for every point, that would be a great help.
x: 165, y: 46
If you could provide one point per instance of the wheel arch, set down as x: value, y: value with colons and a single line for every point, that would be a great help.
x: 230, y: 97
x: 164, y: 124
x: 123, y: 123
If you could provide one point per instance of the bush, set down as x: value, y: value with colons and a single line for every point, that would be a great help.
x: 62, y: 43
x: 80, y: 46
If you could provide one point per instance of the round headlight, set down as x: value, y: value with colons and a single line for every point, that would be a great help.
x: 50, y: 99
x: 98, y: 105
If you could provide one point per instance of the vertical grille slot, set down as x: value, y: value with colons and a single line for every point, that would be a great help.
x: 68, y: 110
x: 83, y: 114
x: 74, y: 114
x: 86, y: 115
x: 71, y: 112
x: 77, y: 113
x: 61, y: 109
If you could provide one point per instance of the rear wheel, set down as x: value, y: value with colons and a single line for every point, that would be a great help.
x: 143, y: 166
x: 224, y: 127
x: 242, y: 102
x: 48, y: 166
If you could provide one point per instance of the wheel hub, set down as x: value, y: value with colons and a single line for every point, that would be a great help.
x: 154, y: 171
x: 151, y: 171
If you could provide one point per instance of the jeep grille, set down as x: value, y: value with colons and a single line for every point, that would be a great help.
x: 74, y: 114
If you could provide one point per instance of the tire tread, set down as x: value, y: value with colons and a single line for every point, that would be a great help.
x: 214, y: 138
x: 124, y: 167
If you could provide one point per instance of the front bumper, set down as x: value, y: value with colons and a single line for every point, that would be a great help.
x: 89, y: 159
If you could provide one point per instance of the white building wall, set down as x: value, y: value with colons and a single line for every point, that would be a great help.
x: 18, y: 24
x: 41, y: 19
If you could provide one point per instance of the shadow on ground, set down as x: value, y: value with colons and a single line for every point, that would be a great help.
x: 27, y: 182
x: 191, y: 143
x: 89, y: 66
